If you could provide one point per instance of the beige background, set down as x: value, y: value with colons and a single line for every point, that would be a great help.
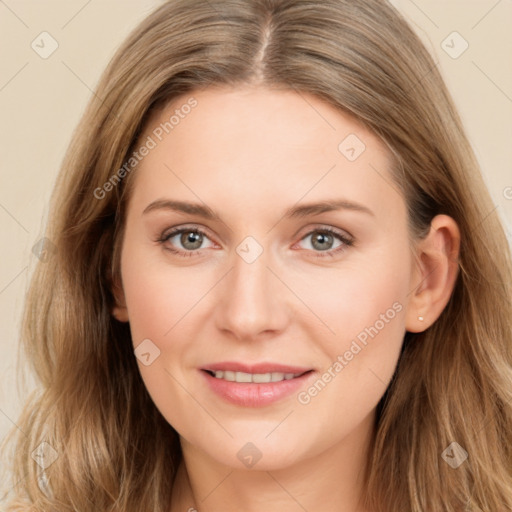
x: 41, y: 101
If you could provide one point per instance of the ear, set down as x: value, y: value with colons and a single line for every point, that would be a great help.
x: 434, y: 274
x: 119, y: 311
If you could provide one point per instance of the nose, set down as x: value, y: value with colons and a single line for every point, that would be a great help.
x: 252, y: 301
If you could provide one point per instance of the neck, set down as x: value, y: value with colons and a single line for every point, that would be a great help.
x: 331, y: 480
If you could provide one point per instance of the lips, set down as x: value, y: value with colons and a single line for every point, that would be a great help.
x: 255, y: 368
x: 257, y: 378
x: 255, y: 385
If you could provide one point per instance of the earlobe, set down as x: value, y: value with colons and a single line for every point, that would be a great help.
x: 119, y: 311
x: 435, y: 274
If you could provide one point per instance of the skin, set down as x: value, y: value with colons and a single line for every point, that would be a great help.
x: 249, y: 154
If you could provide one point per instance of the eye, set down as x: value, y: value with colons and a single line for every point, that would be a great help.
x: 323, y: 239
x: 190, y: 239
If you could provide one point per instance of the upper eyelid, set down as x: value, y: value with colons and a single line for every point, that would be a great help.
x: 330, y: 229
x: 186, y: 227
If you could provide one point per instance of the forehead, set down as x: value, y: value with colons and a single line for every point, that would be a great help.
x: 254, y: 146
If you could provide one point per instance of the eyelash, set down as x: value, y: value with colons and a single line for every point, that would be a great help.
x: 347, y: 242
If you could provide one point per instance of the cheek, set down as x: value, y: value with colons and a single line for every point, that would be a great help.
x: 362, y: 310
x: 160, y: 301
x: 158, y: 296
x: 354, y: 298
x: 367, y: 316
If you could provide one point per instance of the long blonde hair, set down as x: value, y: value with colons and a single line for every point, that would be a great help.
x: 453, y: 382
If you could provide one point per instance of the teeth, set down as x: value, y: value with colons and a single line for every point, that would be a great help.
x: 261, y: 377
x: 254, y: 377
x: 243, y: 377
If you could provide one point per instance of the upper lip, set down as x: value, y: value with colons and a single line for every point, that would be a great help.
x: 255, y: 368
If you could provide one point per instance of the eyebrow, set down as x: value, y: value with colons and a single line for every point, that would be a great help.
x: 301, y: 211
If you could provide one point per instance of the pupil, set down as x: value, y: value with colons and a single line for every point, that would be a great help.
x: 192, y: 238
x: 322, y: 238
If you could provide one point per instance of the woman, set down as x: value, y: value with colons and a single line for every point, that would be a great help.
x: 258, y: 369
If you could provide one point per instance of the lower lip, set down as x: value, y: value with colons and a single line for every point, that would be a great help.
x: 250, y: 394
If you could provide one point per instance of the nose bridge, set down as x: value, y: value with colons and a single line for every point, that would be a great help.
x: 250, y: 302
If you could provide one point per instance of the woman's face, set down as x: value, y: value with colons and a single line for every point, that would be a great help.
x: 255, y: 283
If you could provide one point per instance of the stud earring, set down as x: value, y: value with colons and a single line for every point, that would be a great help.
x: 420, y: 318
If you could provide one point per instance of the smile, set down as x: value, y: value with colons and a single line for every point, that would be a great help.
x: 257, y: 378
x: 247, y: 389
